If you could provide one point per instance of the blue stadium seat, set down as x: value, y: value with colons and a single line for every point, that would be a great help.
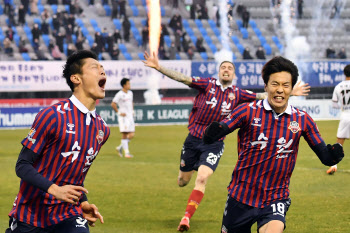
x: 65, y: 48
x: 27, y: 30
x: 144, y: 3
x: 162, y: 11
x: 99, y: 56
x: 90, y: 40
x: 189, y: 31
x: 194, y: 39
x: 257, y: 32
x: 234, y: 58
x: 132, y: 23
x: 167, y: 40
x: 240, y: 48
x: 49, y: 21
x: 1, y: 32
x: 143, y: 22
x: 239, y: 23
x: 123, y: 48
x: 17, y: 39
x: 244, y: 32
x: 253, y: 24
x: 127, y: 56
x: 131, y: 2
x: 37, y: 21
x: 141, y: 56
x: 177, y: 56
x: 46, y: 39
x: 2, y: 38
x: 1, y: 10
x: 135, y: 10
x: 74, y: 38
x: 54, y: 8
x: 235, y: 39
x: 79, y: 22
x: 203, y: 31
x: 204, y: 55
x: 278, y: 43
x: 108, y: 10
x: 198, y: 22
x: 41, y: 8
x: 185, y: 23
x: 212, y: 23
x: 85, y: 31
x: 93, y: 23
x: 97, y: 29
x: 262, y: 40
x: 208, y: 39
x: 117, y: 24
x: 67, y: 8
x: 26, y: 56
x: 267, y: 48
x: 138, y: 38
x: 135, y: 31
x: 213, y: 48
x: 216, y: 32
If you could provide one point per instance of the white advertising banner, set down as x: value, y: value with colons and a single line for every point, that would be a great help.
x: 20, y: 76
x: 317, y: 109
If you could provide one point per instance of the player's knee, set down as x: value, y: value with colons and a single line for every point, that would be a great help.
x: 181, y: 182
x: 201, y: 179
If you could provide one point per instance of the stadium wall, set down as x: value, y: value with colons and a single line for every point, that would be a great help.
x: 157, y: 114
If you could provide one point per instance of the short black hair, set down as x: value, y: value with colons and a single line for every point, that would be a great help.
x: 124, y: 81
x: 234, y: 67
x: 74, y: 63
x: 347, y: 71
x: 279, y: 64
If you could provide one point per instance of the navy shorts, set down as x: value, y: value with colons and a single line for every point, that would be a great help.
x: 239, y: 218
x: 76, y: 224
x: 195, y: 153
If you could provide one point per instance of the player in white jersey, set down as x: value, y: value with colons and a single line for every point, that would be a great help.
x: 123, y: 104
x: 341, y: 99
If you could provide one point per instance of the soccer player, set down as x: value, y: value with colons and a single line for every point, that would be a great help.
x: 268, y: 142
x: 215, y: 101
x: 57, y: 153
x: 124, y: 100
x: 341, y: 98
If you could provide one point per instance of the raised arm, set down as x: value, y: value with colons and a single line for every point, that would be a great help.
x: 152, y: 61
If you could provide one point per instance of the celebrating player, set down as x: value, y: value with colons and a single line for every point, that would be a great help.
x: 64, y: 140
x: 268, y: 142
x: 341, y: 95
x: 124, y: 100
x: 215, y: 101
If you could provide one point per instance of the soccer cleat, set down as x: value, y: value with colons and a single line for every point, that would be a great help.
x: 331, y: 170
x: 184, y: 224
x: 129, y: 156
x: 120, y: 151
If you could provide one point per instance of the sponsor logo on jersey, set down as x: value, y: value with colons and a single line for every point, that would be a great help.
x: 294, y: 127
x: 182, y: 163
x: 256, y: 121
x: 80, y: 222
x: 70, y: 126
x: 231, y: 96
x: 31, y: 135
x: 100, y: 136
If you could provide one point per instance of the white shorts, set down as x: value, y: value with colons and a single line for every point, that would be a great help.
x: 126, y: 124
x: 344, y: 126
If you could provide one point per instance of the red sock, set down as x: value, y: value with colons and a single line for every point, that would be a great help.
x: 193, y: 202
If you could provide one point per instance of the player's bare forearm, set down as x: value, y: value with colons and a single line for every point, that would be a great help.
x: 175, y: 75
x: 261, y: 96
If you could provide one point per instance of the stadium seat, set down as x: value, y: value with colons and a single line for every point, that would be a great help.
x: 54, y: 8
x: 127, y: 56
x: 79, y: 22
x: 141, y: 56
x: 235, y: 39
x: 46, y: 39
x: 108, y: 10
x: 135, y: 11
x: 239, y: 23
x: 216, y: 32
x: 67, y: 8
x: 244, y: 32
x: 131, y: 2
x: 41, y: 8
x: 2, y: 38
x: 208, y: 39
x: 26, y: 56
x: 267, y: 48
x: 213, y: 48
x: 204, y: 55
x: 212, y: 23
x: 162, y: 11
x: 177, y: 56
x: 17, y: 39
x: 194, y: 39
x: 252, y: 24
x: 37, y: 21
x: 90, y: 40
x: 65, y: 48
x: 167, y: 40
x: 203, y: 31
x: 185, y: 23
x: 117, y: 24
x: 198, y: 22
x: 262, y: 40
x: 93, y: 23
x: 240, y: 48
x: 123, y: 48
x: 257, y: 32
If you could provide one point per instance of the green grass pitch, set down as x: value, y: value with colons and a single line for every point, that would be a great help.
x: 141, y: 194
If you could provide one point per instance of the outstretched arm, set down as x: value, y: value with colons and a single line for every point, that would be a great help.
x: 152, y: 61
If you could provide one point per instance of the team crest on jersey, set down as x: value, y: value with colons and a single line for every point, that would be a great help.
x: 100, y: 136
x: 31, y: 135
x: 231, y: 96
x: 294, y: 127
x: 182, y: 163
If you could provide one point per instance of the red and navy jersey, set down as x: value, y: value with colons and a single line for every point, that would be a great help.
x: 67, y: 138
x: 267, y: 150
x: 213, y: 103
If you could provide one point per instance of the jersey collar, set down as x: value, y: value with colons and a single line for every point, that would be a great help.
x: 218, y: 83
x: 267, y: 107
x: 83, y: 109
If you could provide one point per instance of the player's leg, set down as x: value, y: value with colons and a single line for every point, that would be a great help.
x: 129, y: 129
x: 272, y: 218
x: 184, y: 178
x: 209, y: 159
x: 16, y: 226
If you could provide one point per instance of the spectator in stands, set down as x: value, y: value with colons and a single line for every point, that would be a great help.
x: 164, y: 29
x: 52, y: 2
x: 330, y: 53
x: 172, y: 51
x: 71, y: 21
x: 174, y: 3
x: 193, y: 11
x: 126, y: 28
x: 110, y: 42
x: 12, y: 13
x: 75, y: 8
x: 22, y: 47
x: 36, y: 45
x: 115, y: 53
x: 34, y: 7
x: 260, y: 53
x: 21, y: 16
x: 162, y: 53
x: 59, y: 40
x: 122, y: 10
x: 45, y: 27
x: 342, y: 53
x: 246, y: 54
x: 240, y: 9
x: 36, y: 32
x: 115, y: 9
x: 45, y: 15
x: 95, y: 49
x: 40, y: 54
x: 10, y: 33
x: 178, y: 35
x: 199, y: 45
x: 300, y: 8
x: 8, y: 47
x: 99, y: 41
x: 79, y: 33
x: 55, y: 52
x: 71, y: 49
x: 245, y: 18
x: 176, y: 22
x: 25, y: 4
x: 7, y: 6
x: 145, y: 37
x: 185, y: 42
x: 79, y: 43
x: 56, y: 22
x: 117, y: 37
x: 191, y: 50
